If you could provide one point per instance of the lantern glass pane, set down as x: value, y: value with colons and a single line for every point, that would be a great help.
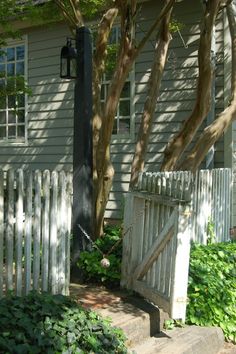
x: 73, y: 67
x: 64, y: 67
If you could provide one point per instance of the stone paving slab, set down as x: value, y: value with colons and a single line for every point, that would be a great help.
x: 187, y: 340
x: 140, y: 323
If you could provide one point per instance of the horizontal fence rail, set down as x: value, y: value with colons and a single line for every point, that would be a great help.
x: 210, y: 193
x: 35, y: 229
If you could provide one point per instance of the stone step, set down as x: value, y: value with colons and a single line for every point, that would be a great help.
x: 187, y: 340
x: 138, y: 319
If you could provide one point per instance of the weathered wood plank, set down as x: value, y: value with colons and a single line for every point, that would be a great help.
x: 45, y: 230
x: 180, y: 271
x: 53, y: 234
x: 152, y: 294
x: 37, y: 229
x: 164, y: 236
x: 1, y: 229
x: 61, y: 238
x: 69, y: 189
x: 127, y: 241
x: 28, y: 231
x: 10, y: 230
x: 19, y: 229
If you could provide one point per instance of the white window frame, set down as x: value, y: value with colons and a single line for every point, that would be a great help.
x: 126, y: 137
x: 20, y: 141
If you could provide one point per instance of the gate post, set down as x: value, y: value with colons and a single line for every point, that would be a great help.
x: 180, y: 276
x: 127, y: 240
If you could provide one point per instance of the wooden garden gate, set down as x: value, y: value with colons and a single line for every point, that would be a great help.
x: 156, y: 245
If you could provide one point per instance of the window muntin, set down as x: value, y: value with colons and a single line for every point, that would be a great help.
x: 12, y: 96
x: 123, y: 120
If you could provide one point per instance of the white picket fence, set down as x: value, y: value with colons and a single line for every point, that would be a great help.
x: 210, y: 194
x: 164, y: 213
x: 35, y: 229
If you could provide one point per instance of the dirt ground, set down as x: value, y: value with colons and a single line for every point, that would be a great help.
x: 229, y: 348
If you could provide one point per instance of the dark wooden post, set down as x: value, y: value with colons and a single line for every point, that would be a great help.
x: 82, y: 146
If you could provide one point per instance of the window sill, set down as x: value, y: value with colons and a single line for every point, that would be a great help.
x: 13, y: 143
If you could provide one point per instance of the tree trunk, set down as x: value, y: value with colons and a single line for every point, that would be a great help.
x: 213, y: 132
x: 183, y: 138
x: 154, y: 83
x: 129, y: 51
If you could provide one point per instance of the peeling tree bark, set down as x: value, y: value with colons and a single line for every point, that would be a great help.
x: 126, y: 57
x: 214, y: 131
x: 183, y: 138
x: 154, y: 83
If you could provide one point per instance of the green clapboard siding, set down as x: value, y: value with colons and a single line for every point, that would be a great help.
x: 50, y: 110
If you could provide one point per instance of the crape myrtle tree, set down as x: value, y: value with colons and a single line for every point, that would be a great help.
x: 125, y: 13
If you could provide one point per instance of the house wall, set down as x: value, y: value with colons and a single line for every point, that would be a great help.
x: 230, y: 135
x: 50, y: 117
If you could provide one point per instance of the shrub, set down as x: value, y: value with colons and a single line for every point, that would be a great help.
x: 212, y: 287
x: 43, y: 323
x: 90, y: 262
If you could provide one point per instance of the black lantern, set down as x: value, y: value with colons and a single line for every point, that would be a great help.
x: 68, y: 61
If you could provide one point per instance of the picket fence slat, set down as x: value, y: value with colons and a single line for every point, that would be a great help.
x: 69, y: 190
x: 1, y: 231
x: 28, y: 232
x: 62, y: 232
x: 19, y: 230
x: 35, y: 230
x: 53, y: 235
x: 45, y: 230
x: 9, y: 230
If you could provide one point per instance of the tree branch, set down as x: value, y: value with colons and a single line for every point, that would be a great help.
x: 214, y: 131
x: 154, y: 83
x: 163, y: 13
x: 69, y: 19
x: 77, y: 14
x: 183, y: 138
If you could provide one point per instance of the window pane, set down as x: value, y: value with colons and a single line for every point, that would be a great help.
x: 10, y: 69
x: 11, y: 101
x: 124, y: 108
x: 10, y: 54
x: 2, y: 56
x: 2, y: 117
x: 124, y: 126
x: 20, y: 83
x: 10, y: 85
x: 11, y: 117
x: 103, y: 92
x: 21, y: 131
x: 112, y: 37
x: 2, y: 132
x: 114, y: 130
x: 12, y: 132
x: 20, y: 68
x: 2, y: 102
x: 126, y: 90
x: 21, y: 116
x: 20, y: 52
x: 2, y: 70
x: 21, y: 101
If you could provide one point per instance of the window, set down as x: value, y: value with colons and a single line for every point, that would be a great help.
x: 12, y: 93
x: 123, y: 120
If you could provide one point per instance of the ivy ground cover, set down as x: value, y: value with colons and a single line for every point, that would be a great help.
x: 212, y: 287
x: 42, y: 323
